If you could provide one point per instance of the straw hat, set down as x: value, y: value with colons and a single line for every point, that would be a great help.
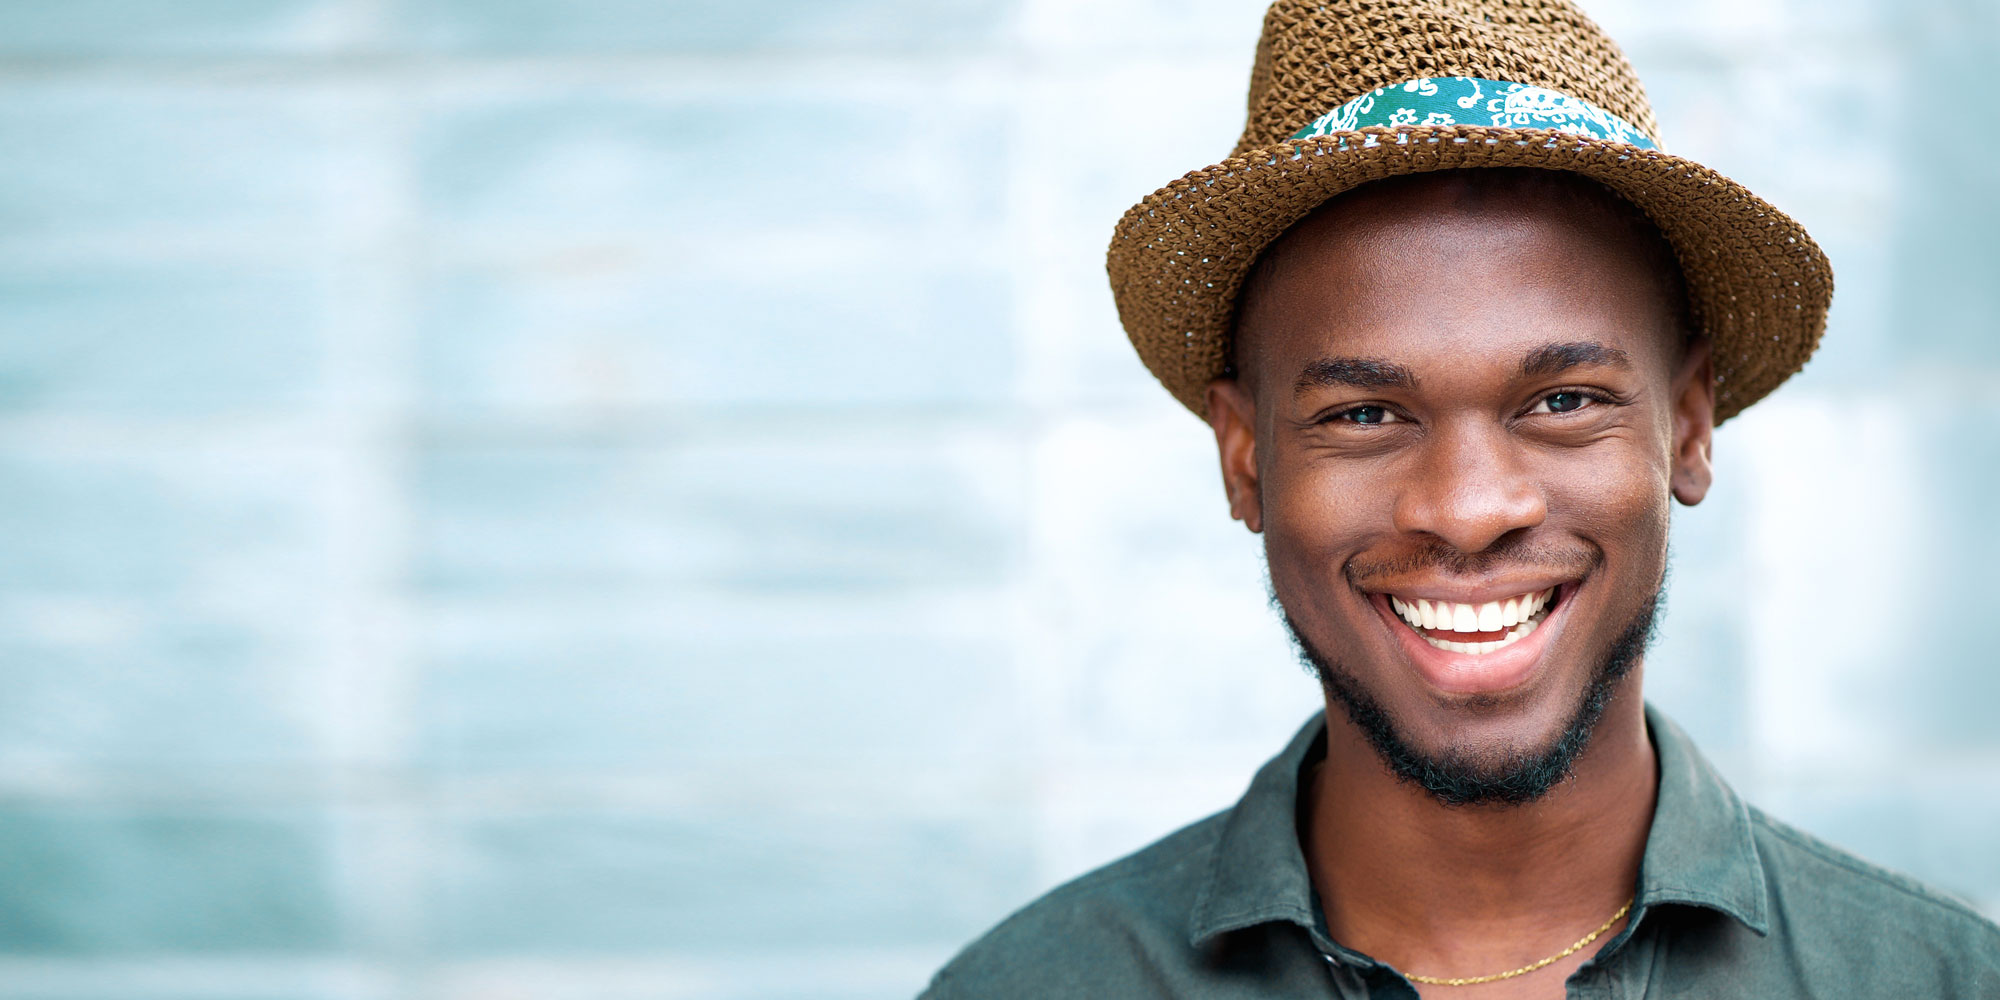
x: 1349, y: 91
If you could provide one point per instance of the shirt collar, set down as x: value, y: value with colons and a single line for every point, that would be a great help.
x: 1700, y: 851
x: 1258, y: 873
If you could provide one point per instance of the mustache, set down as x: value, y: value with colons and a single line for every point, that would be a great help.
x: 1439, y: 556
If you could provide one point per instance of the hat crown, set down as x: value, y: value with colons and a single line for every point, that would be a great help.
x: 1315, y: 56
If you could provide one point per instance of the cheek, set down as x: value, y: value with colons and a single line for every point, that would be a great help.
x: 1315, y: 516
x: 1619, y: 497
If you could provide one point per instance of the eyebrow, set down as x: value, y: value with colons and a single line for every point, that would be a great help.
x: 1359, y: 373
x: 1549, y: 359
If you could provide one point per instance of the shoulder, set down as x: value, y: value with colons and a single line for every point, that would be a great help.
x: 1831, y: 903
x: 1083, y: 937
x: 1808, y: 870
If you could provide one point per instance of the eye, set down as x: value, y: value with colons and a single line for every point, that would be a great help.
x: 1562, y: 402
x: 1367, y: 416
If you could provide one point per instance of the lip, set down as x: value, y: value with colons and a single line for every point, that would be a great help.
x: 1492, y: 673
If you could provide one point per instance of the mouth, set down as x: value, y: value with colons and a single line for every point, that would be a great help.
x: 1481, y: 647
x: 1478, y: 629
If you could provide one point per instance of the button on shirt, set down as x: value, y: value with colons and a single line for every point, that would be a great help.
x: 1730, y: 903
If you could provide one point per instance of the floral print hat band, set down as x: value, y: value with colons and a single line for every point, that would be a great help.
x: 1343, y: 92
x: 1453, y: 100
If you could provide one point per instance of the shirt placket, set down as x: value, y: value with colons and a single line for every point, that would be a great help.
x: 1359, y: 977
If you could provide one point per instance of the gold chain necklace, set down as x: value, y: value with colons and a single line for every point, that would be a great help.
x: 1523, y: 970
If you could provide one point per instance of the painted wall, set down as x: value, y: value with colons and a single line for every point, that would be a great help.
x: 616, y: 499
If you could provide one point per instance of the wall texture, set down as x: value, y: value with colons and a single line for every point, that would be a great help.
x: 615, y: 499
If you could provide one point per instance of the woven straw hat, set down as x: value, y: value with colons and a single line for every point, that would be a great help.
x: 1349, y: 91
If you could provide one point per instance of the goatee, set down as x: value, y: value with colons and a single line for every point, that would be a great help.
x: 1456, y: 779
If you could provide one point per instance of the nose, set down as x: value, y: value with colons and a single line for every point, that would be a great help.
x: 1471, y: 486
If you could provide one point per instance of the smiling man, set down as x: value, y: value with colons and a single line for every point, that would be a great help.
x: 1459, y: 403
x: 1462, y: 330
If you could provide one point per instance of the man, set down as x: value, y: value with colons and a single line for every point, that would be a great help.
x: 1461, y: 329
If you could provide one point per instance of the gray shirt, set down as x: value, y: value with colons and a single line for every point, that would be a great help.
x: 1730, y: 903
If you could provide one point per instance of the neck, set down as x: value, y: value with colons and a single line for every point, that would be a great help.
x: 1471, y: 889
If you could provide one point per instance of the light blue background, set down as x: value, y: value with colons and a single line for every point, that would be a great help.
x: 616, y: 499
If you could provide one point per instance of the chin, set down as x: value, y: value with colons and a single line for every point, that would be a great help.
x: 1468, y: 729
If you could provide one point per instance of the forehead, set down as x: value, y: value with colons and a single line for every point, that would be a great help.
x: 1463, y: 267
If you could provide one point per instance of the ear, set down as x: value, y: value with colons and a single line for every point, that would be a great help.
x: 1694, y: 424
x: 1233, y: 416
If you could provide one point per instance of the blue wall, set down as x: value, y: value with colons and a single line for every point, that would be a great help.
x: 615, y: 499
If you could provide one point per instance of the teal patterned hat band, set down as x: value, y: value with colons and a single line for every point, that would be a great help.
x: 1466, y: 100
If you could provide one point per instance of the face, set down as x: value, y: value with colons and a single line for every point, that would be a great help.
x: 1461, y: 411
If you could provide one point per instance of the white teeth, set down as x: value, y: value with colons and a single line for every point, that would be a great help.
x: 1515, y: 635
x: 1407, y: 610
x: 1464, y: 618
x: 1489, y: 617
x: 1519, y: 616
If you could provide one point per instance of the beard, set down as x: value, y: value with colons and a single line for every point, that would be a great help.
x: 1456, y: 779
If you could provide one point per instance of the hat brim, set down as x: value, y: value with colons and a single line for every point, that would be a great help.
x: 1758, y: 286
